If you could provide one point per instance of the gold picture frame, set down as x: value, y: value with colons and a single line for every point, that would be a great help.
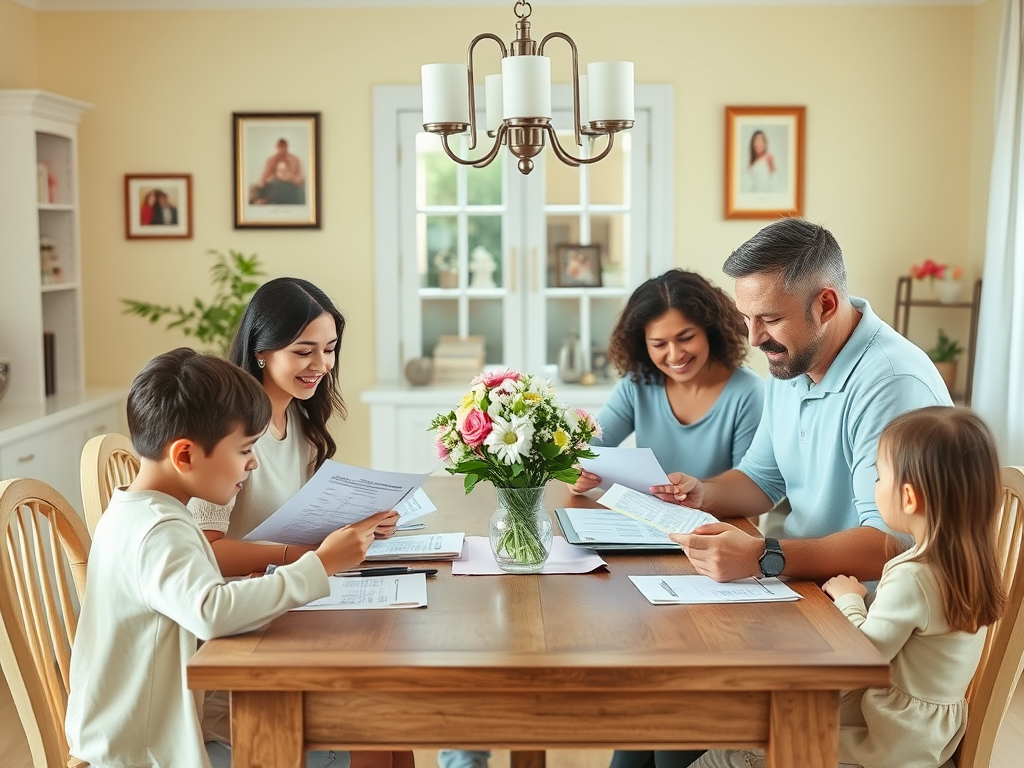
x: 764, y: 162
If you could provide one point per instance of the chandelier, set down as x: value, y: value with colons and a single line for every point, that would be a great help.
x: 518, y: 101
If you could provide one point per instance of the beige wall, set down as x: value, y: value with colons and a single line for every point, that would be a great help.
x: 988, y: 17
x: 17, y: 46
x: 894, y: 116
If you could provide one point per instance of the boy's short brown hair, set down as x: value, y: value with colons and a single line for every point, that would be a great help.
x: 185, y: 394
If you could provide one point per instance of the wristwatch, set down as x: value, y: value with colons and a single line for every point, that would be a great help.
x: 772, y: 561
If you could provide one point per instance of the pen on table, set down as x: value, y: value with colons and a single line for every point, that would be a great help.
x: 667, y: 588
x: 388, y: 571
x: 411, y: 527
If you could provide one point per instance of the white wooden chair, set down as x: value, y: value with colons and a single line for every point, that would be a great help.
x: 42, y: 580
x: 1003, y: 656
x: 108, y: 461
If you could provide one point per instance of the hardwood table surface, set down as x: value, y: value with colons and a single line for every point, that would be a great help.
x: 528, y: 662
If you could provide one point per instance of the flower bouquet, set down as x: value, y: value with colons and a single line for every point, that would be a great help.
x: 510, y: 431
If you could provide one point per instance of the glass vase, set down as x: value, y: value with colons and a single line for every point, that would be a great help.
x: 520, y: 530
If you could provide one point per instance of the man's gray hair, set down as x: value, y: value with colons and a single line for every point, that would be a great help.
x: 806, y: 256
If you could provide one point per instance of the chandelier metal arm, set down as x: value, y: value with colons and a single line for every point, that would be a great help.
x: 568, y: 159
x: 575, y: 79
x: 472, y: 90
x: 499, y: 139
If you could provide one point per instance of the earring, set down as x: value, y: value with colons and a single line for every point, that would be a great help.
x: 261, y: 362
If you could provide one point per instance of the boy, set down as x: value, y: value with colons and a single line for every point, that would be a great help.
x: 153, y: 583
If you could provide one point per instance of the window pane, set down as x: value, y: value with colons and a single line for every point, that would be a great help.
x: 562, y: 230
x: 562, y: 181
x: 609, y: 178
x: 436, y: 176
x: 604, y: 313
x: 485, y: 186
x: 611, y: 233
x: 485, y: 319
x: 437, y: 251
x: 440, y: 318
x: 484, y: 242
x: 563, y: 320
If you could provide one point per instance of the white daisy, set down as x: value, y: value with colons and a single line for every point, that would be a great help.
x: 509, y: 440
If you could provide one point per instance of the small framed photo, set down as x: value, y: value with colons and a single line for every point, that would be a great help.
x: 277, y: 170
x: 764, y: 162
x: 158, y: 206
x: 579, y: 266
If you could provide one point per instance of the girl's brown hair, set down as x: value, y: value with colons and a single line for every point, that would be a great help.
x: 948, y: 456
x: 700, y: 301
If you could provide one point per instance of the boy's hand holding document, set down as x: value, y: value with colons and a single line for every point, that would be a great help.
x: 338, y: 495
x: 670, y: 518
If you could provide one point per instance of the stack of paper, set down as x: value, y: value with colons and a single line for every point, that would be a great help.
x: 348, y: 594
x: 693, y: 590
x: 427, y: 546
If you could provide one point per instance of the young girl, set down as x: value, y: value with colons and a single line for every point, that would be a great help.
x: 679, y: 345
x: 938, y: 480
x: 288, y: 340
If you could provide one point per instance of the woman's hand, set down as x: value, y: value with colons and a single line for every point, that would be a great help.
x: 683, y: 490
x: 586, y: 482
x: 387, y: 527
x: 838, y: 586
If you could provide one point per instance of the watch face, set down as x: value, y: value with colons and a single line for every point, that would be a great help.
x: 772, y: 564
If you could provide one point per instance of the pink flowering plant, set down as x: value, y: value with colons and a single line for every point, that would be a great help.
x: 509, y: 430
x: 934, y: 270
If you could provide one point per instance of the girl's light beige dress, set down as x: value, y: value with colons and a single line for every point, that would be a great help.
x: 918, y: 721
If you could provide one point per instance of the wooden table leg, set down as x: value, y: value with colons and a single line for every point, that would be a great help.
x: 524, y: 759
x: 266, y: 730
x: 804, y: 729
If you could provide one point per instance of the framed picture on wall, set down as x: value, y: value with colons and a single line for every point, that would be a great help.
x: 158, y: 206
x: 277, y: 170
x: 764, y: 162
x: 578, y: 266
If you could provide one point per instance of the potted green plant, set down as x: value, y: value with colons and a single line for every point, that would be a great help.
x: 213, y: 324
x: 944, y: 354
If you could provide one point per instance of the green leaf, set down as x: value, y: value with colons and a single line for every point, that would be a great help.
x: 470, y: 482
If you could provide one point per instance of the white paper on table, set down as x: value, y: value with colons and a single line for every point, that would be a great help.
x: 635, y: 468
x: 352, y: 593
x: 693, y: 590
x: 424, y: 546
x: 606, y: 526
x: 670, y: 518
x: 417, y: 505
x: 335, y: 496
x: 478, y: 560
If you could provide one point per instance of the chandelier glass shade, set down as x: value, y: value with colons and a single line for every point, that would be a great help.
x: 518, y: 101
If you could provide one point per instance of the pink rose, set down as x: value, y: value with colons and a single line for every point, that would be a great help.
x: 475, y: 427
x: 494, y: 378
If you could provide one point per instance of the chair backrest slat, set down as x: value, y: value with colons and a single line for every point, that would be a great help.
x: 42, y: 581
x: 1003, y: 655
x: 108, y: 462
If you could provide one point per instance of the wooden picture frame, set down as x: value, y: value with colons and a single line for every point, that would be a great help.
x: 578, y: 266
x: 158, y: 206
x: 764, y: 162
x: 277, y: 170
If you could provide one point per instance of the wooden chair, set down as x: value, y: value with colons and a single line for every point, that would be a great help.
x: 1003, y: 656
x: 42, y: 580
x: 108, y: 461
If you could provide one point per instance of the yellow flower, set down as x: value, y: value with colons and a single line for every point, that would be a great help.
x: 531, y: 398
x: 467, y: 401
x: 561, y: 439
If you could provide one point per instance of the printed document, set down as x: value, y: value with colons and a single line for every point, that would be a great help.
x: 351, y: 593
x: 415, y: 506
x: 337, y: 495
x: 635, y: 468
x: 652, y: 511
x: 693, y: 590
x: 425, y: 546
x: 606, y: 526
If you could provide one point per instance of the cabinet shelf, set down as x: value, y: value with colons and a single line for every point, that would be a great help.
x: 56, y: 287
x: 57, y: 207
x: 905, y: 300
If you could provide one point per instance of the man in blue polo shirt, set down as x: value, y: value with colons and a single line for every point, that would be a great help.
x: 838, y: 376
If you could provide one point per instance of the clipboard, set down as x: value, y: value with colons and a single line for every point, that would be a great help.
x: 571, y: 536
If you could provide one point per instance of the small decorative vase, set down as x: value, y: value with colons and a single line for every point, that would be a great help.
x: 448, y: 278
x: 948, y: 291
x: 947, y: 370
x: 570, y: 360
x: 520, y: 530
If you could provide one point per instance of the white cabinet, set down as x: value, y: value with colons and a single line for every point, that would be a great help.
x: 39, y: 210
x: 45, y: 441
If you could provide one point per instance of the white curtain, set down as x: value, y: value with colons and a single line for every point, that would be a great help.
x: 999, y: 373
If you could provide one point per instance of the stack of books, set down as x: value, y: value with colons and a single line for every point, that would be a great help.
x: 457, y: 359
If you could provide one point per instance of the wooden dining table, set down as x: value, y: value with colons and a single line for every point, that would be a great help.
x: 532, y: 662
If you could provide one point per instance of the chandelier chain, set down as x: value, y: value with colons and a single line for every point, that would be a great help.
x: 527, y: 9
